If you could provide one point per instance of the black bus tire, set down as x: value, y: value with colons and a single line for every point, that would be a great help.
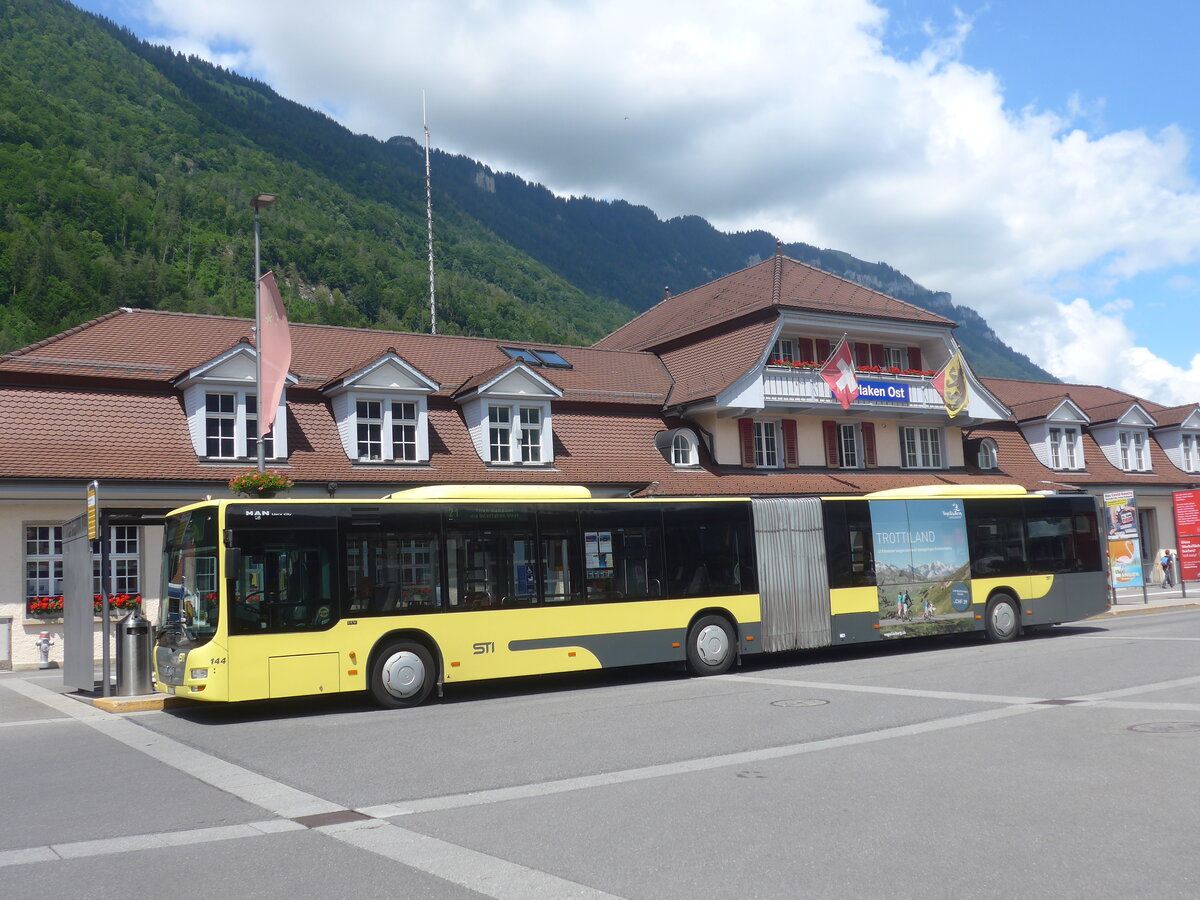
x: 1003, y: 619
x: 711, y: 646
x: 402, y: 675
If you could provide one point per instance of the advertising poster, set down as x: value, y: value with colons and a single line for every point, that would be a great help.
x: 1124, y: 542
x: 922, y: 567
x: 1187, y: 533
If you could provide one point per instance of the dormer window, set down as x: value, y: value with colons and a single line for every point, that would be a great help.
x: 507, y: 411
x: 1064, y: 448
x: 988, y: 458
x: 1190, y: 446
x: 221, y: 402
x: 683, y: 450
x: 382, y: 412
x: 1134, y: 457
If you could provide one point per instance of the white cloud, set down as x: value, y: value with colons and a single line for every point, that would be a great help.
x: 787, y: 115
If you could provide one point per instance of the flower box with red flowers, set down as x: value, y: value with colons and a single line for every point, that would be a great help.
x: 260, y: 484
x: 52, y: 607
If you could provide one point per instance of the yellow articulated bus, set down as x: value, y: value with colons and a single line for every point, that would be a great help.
x: 436, y: 585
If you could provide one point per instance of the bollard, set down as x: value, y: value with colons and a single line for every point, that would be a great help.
x: 134, y: 641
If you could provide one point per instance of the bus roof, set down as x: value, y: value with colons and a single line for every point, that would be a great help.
x: 493, y: 492
x: 950, y: 491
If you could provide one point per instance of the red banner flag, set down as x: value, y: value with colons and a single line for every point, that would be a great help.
x: 275, y: 347
x: 951, y: 383
x: 838, y: 373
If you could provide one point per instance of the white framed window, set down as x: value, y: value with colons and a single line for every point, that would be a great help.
x: 384, y: 430
x: 252, y: 431
x: 231, y: 426
x: 1133, y: 451
x: 530, y: 436
x: 220, y: 425
x: 1188, y: 448
x: 921, y: 447
x: 500, y: 433
x: 895, y: 357
x: 987, y: 454
x: 369, y: 425
x: 404, y: 431
x: 784, y: 351
x: 766, y: 445
x: 1064, y: 448
x: 849, y: 455
x: 123, y: 562
x: 683, y: 450
x: 518, y: 434
x: 43, y: 561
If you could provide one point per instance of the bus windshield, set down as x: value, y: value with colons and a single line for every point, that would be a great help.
x: 190, y: 608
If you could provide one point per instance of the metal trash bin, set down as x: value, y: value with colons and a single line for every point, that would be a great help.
x: 135, y: 642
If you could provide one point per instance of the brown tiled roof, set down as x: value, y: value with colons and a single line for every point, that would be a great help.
x: 1175, y: 415
x: 1017, y: 460
x: 1096, y: 401
x: 777, y: 282
x: 159, y: 346
x: 704, y: 369
x: 1037, y: 409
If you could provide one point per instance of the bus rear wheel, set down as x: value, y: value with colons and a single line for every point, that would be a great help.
x: 711, y: 646
x: 402, y: 675
x: 1003, y: 621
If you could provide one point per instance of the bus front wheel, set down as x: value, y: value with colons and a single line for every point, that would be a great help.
x: 1003, y: 621
x: 402, y: 675
x: 711, y: 646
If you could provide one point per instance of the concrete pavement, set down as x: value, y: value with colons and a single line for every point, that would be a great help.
x: 1132, y: 600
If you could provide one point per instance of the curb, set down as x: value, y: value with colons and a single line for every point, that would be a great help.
x: 1143, y: 610
x: 143, y: 703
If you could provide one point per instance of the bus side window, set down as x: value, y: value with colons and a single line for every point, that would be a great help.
x: 622, y: 553
x: 849, y: 549
x: 996, y: 538
x: 709, y: 549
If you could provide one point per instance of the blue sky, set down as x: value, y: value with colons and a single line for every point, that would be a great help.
x: 1035, y: 159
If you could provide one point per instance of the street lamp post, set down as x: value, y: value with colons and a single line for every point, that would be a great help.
x: 260, y: 201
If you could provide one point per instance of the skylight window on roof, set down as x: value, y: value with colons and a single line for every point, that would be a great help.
x: 552, y: 359
x: 525, y: 356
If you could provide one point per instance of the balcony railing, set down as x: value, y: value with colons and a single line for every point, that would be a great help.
x: 783, y: 384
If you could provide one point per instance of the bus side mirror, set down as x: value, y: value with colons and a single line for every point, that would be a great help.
x: 233, y: 561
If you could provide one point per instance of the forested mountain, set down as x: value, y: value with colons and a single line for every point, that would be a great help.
x: 126, y: 171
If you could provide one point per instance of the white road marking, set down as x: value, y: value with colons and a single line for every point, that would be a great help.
x: 877, y: 689
x: 24, y: 722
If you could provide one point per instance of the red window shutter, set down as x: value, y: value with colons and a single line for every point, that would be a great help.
x: 804, y: 346
x: 823, y: 351
x: 829, y: 429
x: 877, y: 354
x: 914, y: 358
x: 746, y: 433
x: 790, y: 455
x: 868, y: 436
x: 862, y: 354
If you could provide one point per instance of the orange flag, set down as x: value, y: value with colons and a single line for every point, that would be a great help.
x: 275, y: 347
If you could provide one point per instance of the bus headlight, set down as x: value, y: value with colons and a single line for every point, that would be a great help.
x: 199, y: 673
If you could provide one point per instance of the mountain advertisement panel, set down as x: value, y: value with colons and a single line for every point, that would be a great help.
x: 922, y: 567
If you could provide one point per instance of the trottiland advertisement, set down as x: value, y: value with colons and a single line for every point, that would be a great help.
x: 1187, y: 534
x: 1124, y: 540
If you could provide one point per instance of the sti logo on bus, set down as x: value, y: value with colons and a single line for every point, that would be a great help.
x: 484, y: 647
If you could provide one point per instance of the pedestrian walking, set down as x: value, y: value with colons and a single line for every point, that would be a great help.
x: 1167, y: 566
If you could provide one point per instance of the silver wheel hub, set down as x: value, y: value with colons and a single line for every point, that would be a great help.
x: 1004, y: 620
x: 403, y: 674
x: 712, y: 644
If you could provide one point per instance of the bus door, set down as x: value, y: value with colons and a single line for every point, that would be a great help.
x: 282, y: 606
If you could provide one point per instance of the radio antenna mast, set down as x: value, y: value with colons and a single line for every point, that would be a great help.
x: 429, y: 221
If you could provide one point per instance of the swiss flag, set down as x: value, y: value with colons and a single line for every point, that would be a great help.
x: 838, y: 373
